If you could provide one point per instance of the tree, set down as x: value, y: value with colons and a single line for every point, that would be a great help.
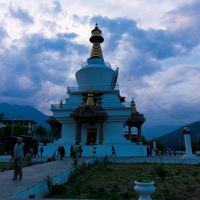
x: 144, y: 141
x: 15, y: 130
x: 41, y: 132
x: 1, y: 116
x: 2, y: 134
x: 20, y: 130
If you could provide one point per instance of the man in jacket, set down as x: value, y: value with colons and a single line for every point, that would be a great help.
x: 18, y: 158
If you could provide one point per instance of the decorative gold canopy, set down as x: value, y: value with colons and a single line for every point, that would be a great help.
x: 133, y: 107
x: 96, y: 39
x: 90, y: 100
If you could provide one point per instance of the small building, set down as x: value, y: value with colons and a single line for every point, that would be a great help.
x: 95, y: 115
x: 29, y: 124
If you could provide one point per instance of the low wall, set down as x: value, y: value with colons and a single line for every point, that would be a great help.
x: 40, y: 189
x: 155, y: 159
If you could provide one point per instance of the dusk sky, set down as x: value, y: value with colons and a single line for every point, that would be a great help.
x: 155, y: 44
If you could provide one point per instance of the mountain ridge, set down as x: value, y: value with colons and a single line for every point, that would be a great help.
x: 23, y: 112
x: 175, y: 139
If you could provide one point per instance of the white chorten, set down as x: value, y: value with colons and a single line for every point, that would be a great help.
x: 94, y: 115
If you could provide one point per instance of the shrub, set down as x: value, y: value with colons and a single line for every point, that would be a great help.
x: 57, y: 189
x: 161, y: 171
x: 73, y: 176
x: 49, y: 182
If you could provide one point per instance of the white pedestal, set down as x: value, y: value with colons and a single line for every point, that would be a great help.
x: 144, y: 189
x: 189, y: 156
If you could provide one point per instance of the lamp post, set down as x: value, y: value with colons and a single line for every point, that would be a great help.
x: 12, y: 127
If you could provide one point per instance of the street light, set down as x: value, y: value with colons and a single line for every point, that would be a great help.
x: 12, y: 127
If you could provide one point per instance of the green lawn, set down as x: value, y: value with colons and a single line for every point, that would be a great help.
x: 5, y: 166
x: 173, y: 182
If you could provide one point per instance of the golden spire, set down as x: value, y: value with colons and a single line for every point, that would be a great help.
x: 133, y: 107
x: 90, y: 100
x: 96, y: 39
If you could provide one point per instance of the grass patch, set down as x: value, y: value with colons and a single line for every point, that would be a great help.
x: 171, y: 181
x: 6, y: 166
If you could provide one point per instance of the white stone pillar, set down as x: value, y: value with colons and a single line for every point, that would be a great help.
x: 154, y: 148
x: 188, y: 146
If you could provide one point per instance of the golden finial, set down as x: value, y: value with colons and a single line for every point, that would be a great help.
x: 96, y: 39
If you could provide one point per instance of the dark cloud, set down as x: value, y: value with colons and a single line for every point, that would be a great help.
x: 42, y: 60
x: 152, y: 46
x: 159, y: 44
x: 22, y: 15
x: 184, y: 26
x: 139, y: 63
x: 52, y: 61
x: 61, y: 43
x: 186, y: 111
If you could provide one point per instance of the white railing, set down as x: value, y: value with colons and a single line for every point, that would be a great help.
x: 92, y: 88
x: 108, y: 104
x: 84, y: 64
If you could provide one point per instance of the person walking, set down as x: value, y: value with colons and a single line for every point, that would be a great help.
x: 18, y: 158
x: 113, y: 151
x: 41, y: 151
x: 72, y: 151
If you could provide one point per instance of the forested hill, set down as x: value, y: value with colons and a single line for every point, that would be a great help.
x: 172, y: 139
x: 23, y: 112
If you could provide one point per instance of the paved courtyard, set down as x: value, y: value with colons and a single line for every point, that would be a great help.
x: 31, y: 175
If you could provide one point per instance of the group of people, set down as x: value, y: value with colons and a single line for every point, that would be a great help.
x: 76, y: 151
x: 35, y: 151
x: 61, y: 152
x: 18, y: 155
x: 113, y: 152
x: 157, y: 152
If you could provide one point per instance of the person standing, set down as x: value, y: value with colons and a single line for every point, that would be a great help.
x: 62, y: 152
x: 80, y: 150
x: 94, y: 151
x: 35, y: 151
x: 72, y: 151
x: 18, y: 158
x: 59, y: 151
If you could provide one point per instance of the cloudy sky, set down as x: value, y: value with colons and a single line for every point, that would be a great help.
x: 155, y: 44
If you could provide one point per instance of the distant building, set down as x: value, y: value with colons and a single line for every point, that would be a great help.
x: 29, y: 124
x: 95, y: 115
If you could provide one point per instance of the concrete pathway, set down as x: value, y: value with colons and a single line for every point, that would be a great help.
x: 8, y: 159
x: 31, y: 175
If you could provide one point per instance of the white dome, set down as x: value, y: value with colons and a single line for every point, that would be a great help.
x: 96, y: 75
